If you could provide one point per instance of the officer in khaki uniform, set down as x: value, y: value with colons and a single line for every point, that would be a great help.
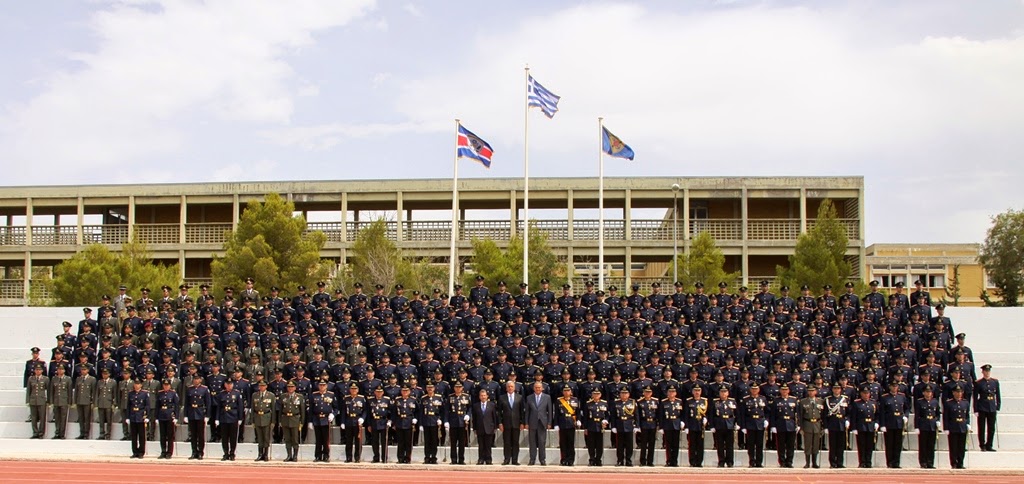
x: 124, y: 387
x: 291, y: 411
x: 810, y: 411
x: 262, y: 407
x: 152, y: 387
x: 85, y: 398
x: 36, y: 391
x: 60, y: 399
x: 105, y: 397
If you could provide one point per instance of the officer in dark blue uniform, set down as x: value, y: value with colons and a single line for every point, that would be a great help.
x: 196, y: 413
x: 927, y: 415
x: 987, y: 401
x: 647, y: 413
x: 353, y: 414
x: 956, y: 419
x: 784, y: 425
x: 864, y: 414
x: 457, y: 423
x: 167, y: 401
x: 723, y: 426
x: 595, y: 415
x: 137, y: 416
x: 837, y: 423
x: 404, y: 420
x: 753, y: 420
x: 894, y: 407
x: 322, y: 407
x: 230, y: 412
x: 431, y: 417
x: 695, y: 419
x: 625, y: 422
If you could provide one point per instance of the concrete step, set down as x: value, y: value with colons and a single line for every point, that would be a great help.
x: 12, y: 368
x: 247, y: 452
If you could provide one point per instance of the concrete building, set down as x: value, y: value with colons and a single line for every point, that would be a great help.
x: 756, y: 221
x: 936, y: 265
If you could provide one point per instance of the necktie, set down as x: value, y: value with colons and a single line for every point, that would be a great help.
x: 538, y: 400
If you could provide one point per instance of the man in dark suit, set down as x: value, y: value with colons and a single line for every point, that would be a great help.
x: 510, y: 413
x: 539, y: 415
x: 485, y: 422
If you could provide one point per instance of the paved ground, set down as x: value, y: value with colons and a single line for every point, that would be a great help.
x: 34, y: 469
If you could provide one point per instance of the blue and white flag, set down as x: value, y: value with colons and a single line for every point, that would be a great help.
x: 473, y: 147
x: 538, y: 96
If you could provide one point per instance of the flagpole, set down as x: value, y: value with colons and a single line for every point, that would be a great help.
x: 600, y: 204
x: 455, y: 213
x: 526, y: 177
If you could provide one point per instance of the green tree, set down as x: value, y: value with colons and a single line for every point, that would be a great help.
x: 497, y: 264
x: 1003, y: 259
x: 376, y: 259
x: 84, y: 278
x: 953, y: 289
x: 270, y: 244
x: 705, y: 263
x: 820, y: 254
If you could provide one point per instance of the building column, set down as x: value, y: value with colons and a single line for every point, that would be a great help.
x: 28, y: 278
x: 744, y: 255
x: 29, y: 214
x: 571, y: 217
x: 399, y: 216
x: 181, y: 263
x: 79, y: 235
x: 234, y: 211
x: 861, y: 226
x: 803, y: 210
x: 570, y: 268
x: 513, y: 214
x: 627, y: 268
x: 344, y: 227
x: 131, y: 217
x: 181, y: 226
x: 686, y: 220
x: 627, y: 215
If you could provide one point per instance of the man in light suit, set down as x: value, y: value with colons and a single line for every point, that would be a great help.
x: 485, y: 422
x: 539, y: 415
x: 510, y: 414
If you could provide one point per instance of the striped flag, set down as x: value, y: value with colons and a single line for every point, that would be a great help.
x: 538, y: 96
x: 473, y: 147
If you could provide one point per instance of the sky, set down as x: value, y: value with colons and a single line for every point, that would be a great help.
x: 923, y: 99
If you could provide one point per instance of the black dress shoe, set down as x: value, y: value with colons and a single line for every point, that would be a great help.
x: 225, y: 458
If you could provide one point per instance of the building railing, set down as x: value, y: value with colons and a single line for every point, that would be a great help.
x: 431, y: 231
x: 12, y: 292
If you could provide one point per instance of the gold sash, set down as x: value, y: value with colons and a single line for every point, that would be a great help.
x: 568, y: 408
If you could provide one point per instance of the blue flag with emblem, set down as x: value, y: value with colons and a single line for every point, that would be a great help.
x: 614, y: 146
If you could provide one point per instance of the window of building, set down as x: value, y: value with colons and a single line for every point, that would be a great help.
x: 936, y: 280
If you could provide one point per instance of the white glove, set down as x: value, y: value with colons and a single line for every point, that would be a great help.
x: 614, y: 430
x: 917, y: 431
x: 968, y: 427
x: 682, y: 426
x: 773, y: 430
x: 876, y: 427
x: 342, y: 426
x: 360, y: 421
x: 661, y: 431
x: 704, y: 421
x: 938, y: 425
x: 578, y: 424
x: 737, y: 427
x: 713, y: 429
x: 217, y: 422
x: 882, y: 429
x: 636, y: 431
x: 389, y: 424
x: 946, y: 432
x: 905, y: 420
x: 556, y: 428
x: 744, y: 431
x: 127, y: 422
x: 604, y: 422
x: 421, y: 428
x: 186, y: 419
x: 847, y: 423
x: 330, y: 417
x: 175, y: 421
x: 466, y: 418
x: 147, y: 421
x: 439, y: 421
x: 854, y: 432
x: 414, y: 421
x: 447, y: 425
x: 311, y: 426
x: 765, y: 424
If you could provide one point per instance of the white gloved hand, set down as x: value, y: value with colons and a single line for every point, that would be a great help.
x: 556, y: 428
x: 905, y: 420
x: 421, y: 428
x: 466, y: 418
x: 636, y: 431
x: 946, y: 432
x: 578, y: 424
x: 855, y: 432
x: 883, y: 429
x: 186, y: 419
x: 604, y: 422
x: 360, y: 421
x: 311, y: 426
x: 661, y: 431
x: 447, y: 425
x: 847, y: 423
x: 773, y: 430
x: 713, y: 429
x: 765, y: 424
x: 206, y: 420
x: 127, y: 422
x: 744, y: 431
x: 330, y: 417
x: 217, y: 422
x: 389, y: 424
x: 175, y: 421
x: 876, y: 427
x: 917, y: 431
x: 682, y: 426
x: 736, y: 428
x: 968, y: 427
x: 439, y: 421
x: 614, y: 430
x: 147, y: 421
x: 414, y: 421
x: 704, y: 421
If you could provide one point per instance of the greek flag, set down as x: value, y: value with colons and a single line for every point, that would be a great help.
x: 538, y: 96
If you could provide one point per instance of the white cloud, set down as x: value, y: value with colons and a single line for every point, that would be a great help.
x: 413, y: 10
x: 158, y: 66
x: 257, y: 170
x: 325, y: 136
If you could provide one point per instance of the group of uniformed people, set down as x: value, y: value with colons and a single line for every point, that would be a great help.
x: 750, y: 368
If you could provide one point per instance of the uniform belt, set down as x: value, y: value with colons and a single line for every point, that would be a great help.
x: 812, y: 420
x: 289, y: 414
x: 260, y: 413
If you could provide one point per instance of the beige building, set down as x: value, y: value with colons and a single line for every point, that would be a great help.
x: 756, y: 221
x: 937, y: 265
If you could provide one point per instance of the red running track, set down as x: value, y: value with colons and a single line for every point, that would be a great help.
x: 115, y: 472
